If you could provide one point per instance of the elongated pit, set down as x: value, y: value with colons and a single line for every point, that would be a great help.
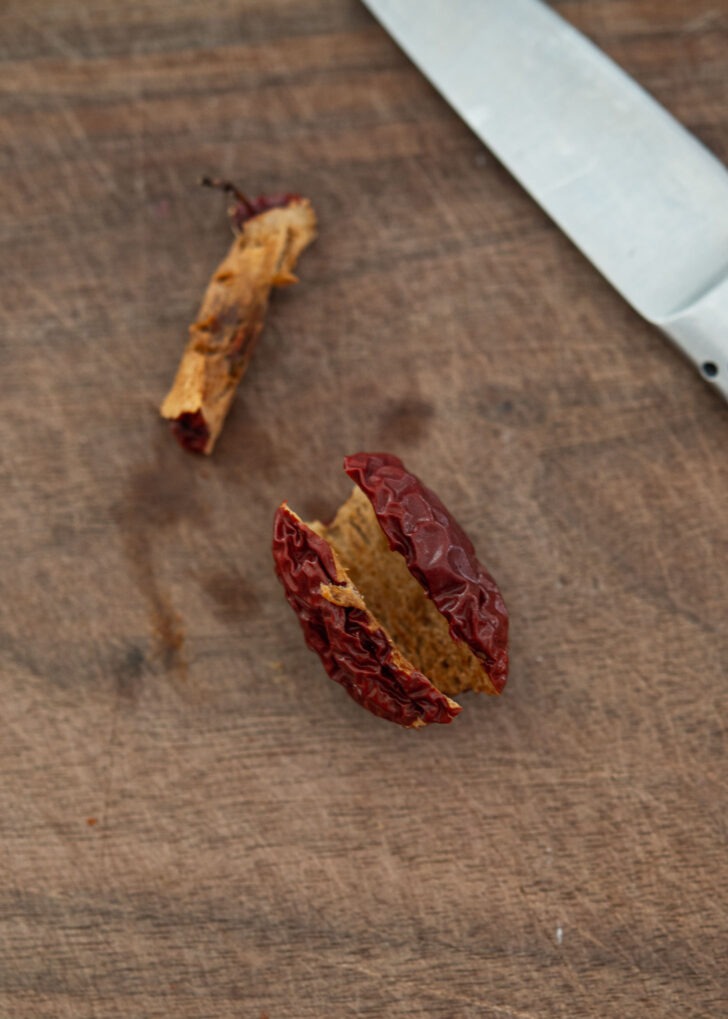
x: 271, y: 233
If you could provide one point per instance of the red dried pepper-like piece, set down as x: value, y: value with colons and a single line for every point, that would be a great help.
x: 355, y: 651
x: 439, y: 554
x: 467, y: 613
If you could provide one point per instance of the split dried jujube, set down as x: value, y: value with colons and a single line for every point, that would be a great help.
x: 434, y: 622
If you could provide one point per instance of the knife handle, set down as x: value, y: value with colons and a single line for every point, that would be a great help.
x: 701, y: 331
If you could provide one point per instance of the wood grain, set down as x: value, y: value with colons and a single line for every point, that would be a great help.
x: 195, y: 821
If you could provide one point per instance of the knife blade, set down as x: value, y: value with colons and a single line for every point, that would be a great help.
x: 639, y: 195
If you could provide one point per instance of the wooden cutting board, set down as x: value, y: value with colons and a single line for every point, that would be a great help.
x: 195, y: 821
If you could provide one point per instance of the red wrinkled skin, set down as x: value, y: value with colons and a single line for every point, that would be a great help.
x: 191, y: 431
x: 439, y: 554
x: 354, y: 652
x: 241, y: 212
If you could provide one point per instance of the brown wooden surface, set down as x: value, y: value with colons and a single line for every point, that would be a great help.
x: 195, y: 821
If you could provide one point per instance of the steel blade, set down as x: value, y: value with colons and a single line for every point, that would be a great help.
x: 637, y: 193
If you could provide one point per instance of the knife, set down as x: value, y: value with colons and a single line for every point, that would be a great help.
x: 642, y: 198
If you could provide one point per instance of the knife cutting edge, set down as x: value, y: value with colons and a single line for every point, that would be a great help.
x: 641, y: 197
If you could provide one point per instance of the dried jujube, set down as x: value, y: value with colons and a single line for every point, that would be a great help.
x: 434, y: 622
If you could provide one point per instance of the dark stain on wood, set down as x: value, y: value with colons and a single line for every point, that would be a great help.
x: 508, y: 405
x: 249, y: 446
x: 158, y: 495
x: 128, y: 673
x: 233, y: 598
x: 405, y: 423
x: 169, y: 633
x: 163, y: 491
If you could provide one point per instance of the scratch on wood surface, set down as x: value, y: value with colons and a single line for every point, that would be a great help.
x: 37, y: 292
x: 73, y: 179
x: 484, y: 1003
x: 441, y: 200
x: 40, y: 27
x: 78, y: 132
x: 108, y: 785
x: 449, y: 995
x: 705, y: 443
x: 705, y: 21
x: 615, y: 949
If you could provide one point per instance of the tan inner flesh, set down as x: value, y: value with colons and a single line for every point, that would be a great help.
x: 398, y: 601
